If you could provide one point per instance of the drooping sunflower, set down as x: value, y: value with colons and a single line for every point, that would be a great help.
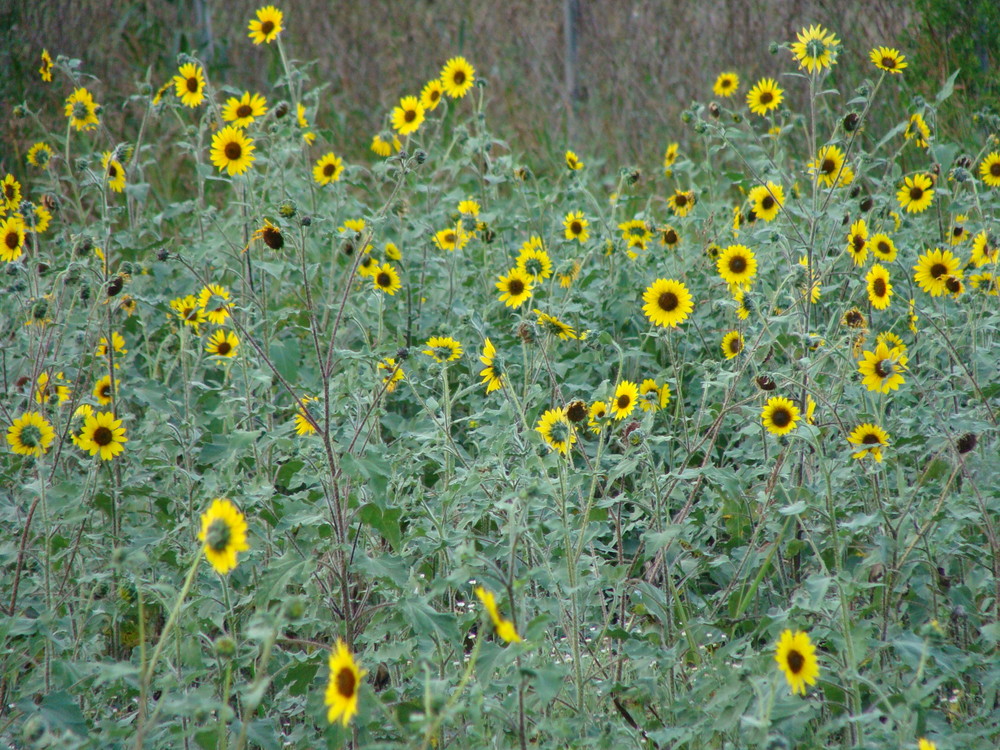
x: 830, y: 167
x: 39, y: 155
x: 653, y: 396
x: 882, y: 369
x: 816, y: 49
x: 11, y: 238
x: 573, y: 161
x: 242, y: 111
x: 681, y: 202
x: 408, y: 115
x: 383, y: 147
x: 568, y: 272
x: 737, y: 266
x: 879, y: 288
x: 888, y: 59
x: 341, y: 696
x: 368, y: 264
x: 796, y: 657
x: 985, y: 249
x: 393, y: 373
x: 232, y: 151
x: 515, y: 287
x: 430, y: 95
x: 934, y: 268
x: 668, y: 303
x: 916, y: 193
x: 726, y: 84
x: 189, y: 311
x: 989, y: 169
x: 457, y: 77
x: 223, y: 344
x: 443, y: 349
x: 30, y: 434
x: 576, y: 227
x: 779, y: 415
x: 46, y: 70
x: 557, y: 431
x: 81, y: 109
x: 767, y: 200
x: 36, y: 218
x: 224, y: 533
x: 870, y: 439
x: 270, y: 234
x: 553, y: 326
x: 189, y: 84
x: 505, y: 628
x: 266, y: 26
x: 917, y: 131
x: 534, y: 261
x: 764, y: 97
x: 102, y: 434
x: 114, y: 173
x: 214, y: 300
x: 597, y: 416
x: 857, y: 242
x: 385, y: 278
x: 103, y: 391
x: 882, y: 247
x: 670, y: 158
x: 492, y: 373
x: 732, y: 344
x: 623, y: 403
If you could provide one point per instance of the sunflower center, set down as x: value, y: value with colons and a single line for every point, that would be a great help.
x: 766, y: 98
x: 576, y: 411
x: 273, y: 238
x: 219, y: 535
x: 995, y: 169
x: 80, y: 111
x: 938, y: 269
x: 30, y: 436
x: 781, y: 417
x: 411, y: 115
x: 103, y: 436
x: 192, y: 84
x: 670, y: 237
x: 267, y: 27
x: 878, y: 286
x: 328, y: 170
x: 623, y: 401
x: 953, y: 284
x: 768, y: 203
x: 795, y: 661
x: 667, y: 301
x: 515, y: 287
x: 106, y: 390
x: 384, y: 280
x: 346, y: 682
x: 957, y: 232
x: 883, y: 247
x: 681, y: 200
x: 8, y: 191
x: 888, y: 62
x: 112, y: 170
x: 244, y: 110
x: 450, y: 238
x: 737, y: 264
x: 916, y: 193
x: 828, y: 166
x: 223, y: 347
x: 233, y: 151
x: 458, y: 77
x: 884, y: 368
x: 12, y: 240
x: 725, y: 83
x: 858, y: 243
x: 575, y: 227
x: 735, y: 345
x: 870, y: 438
x: 434, y: 95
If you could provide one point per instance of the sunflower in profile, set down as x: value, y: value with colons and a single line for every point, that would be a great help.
x: 882, y: 247
x: 888, y: 59
x: 232, y: 151
x: 568, y: 272
x: 382, y: 147
x: 916, y: 193
x: 669, y: 237
x: 505, y: 628
x: 576, y: 227
x: 779, y: 415
x: 670, y: 158
x: 882, y: 369
x: 103, y: 391
x: 189, y: 84
x: 266, y: 26
x: 222, y: 344
x: 242, y: 111
x: 443, y: 349
x: 457, y: 77
x: 796, y: 657
x: 958, y: 233
x: 764, y: 97
x: 597, y: 416
x: 934, y: 268
x: 30, y: 435
x: 11, y: 238
x: 732, y: 344
x: 385, y: 278
x: 307, y: 135
x: 469, y: 207
x: 737, y: 266
x: 492, y: 373
x: 453, y: 238
x: 681, y: 202
x: 214, y: 300
x: 767, y: 200
x: 857, y: 242
x: 726, y: 84
x: 430, y: 95
x: 653, y: 396
x: 39, y: 155
x: 114, y: 173
x: 102, y: 435
x: 870, y: 439
x: 81, y: 109
x: 533, y: 261
x: 879, y: 288
x: 623, y: 404
x: 270, y: 234
x: 557, y: 431
x: 46, y: 70
x: 553, y: 326
x: 341, y: 697
x: 917, y: 131
x: 515, y: 287
x: 573, y: 162
x: 668, y: 303
x: 816, y: 49
x: 830, y: 167
x: 985, y: 249
x: 408, y: 115
x: 224, y: 532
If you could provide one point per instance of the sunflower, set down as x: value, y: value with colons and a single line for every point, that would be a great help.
x: 780, y: 416
x: 393, y: 373
x: 636, y: 233
x: 989, y: 169
x: 555, y: 427
x: 891, y: 340
x: 815, y: 49
x: 882, y: 247
x: 737, y: 266
x: 267, y: 25
x: 505, y: 628
x: 368, y: 264
x: 552, y: 325
x: 244, y: 110
x: 218, y: 296
x: 222, y: 344
x: 103, y: 391
x: 443, y: 349
x: 113, y: 172
x: 670, y: 158
x: 408, y: 115
x: 533, y: 261
x: 308, y: 136
x: 39, y: 155
x: 916, y: 193
x: 830, y: 168
x: 764, y: 96
x: 452, y: 238
x: 888, y: 59
x: 576, y: 227
x: 11, y: 238
x: 653, y: 396
x: 813, y: 287
x: 767, y: 200
x: 597, y: 416
x: 668, y: 303
x: 189, y: 84
x: 925, y: 744
x: 568, y: 273
x: 30, y: 434
x: 934, y: 268
x: 871, y: 439
x: 102, y: 434
x: 36, y: 218
x: 573, y: 162
x: 188, y: 310
x: 796, y: 657
x: 515, y: 287
x: 726, y: 84
x: 430, y: 95
x: 469, y: 207
x: 382, y: 147
x: 306, y: 419
x: 857, y: 242
x: 341, y: 696
x: 879, y: 288
x: 10, y: 192
x: 882, y: 370
x: 46, y: 70
x: 985, y: 249
x: 457, y: 77
x: 958, y: 232
x: 51, y: 390
x: 854, y: 318
x: 386, y: 279
x: 224, y: 532
x: 624, y: 401
x: 232, y: 151
x: 270, y: 234
x: 917, y: 130
x: 81, y: 109
x: 732, y: 344
x: 117, y: 343
x: 493, y: 372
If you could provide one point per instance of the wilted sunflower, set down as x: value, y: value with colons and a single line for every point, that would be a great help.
x: 103, y: 391
x: 270, y: 234
x: 934, y: 268
x: 576, y: 227
x: 430, y: 95
x: 668, y: 303
x: 408, y: 115
x: 557, y: 431
x: 266, y: 26
x: 189, y: 84
x: 726, y: 84
x: 214, y: 300
x: 737, y: 266
x: 113, y: 172
x: 515, y: 287
x: 534, y: 261
x: 882, y: 247
x: 767, y: 200
x: 443, y: 349
x: 492, y: 372
x: 764, y: 97
x: 341, y: 696
x: 879, y: 288
x: 830, y: 168
x: 653, y: 396
x: 505, y: 628
x: 30, y: 434
x: 854, y: 318
x: 870, y: 439
x: 46, y: 70
x: 11, y: 238
x: 102, y: 434
x: 985, y: 249
x: 386, y: 279
x: 244, y: 110
x: 815, y: 49
x: 232, y: 151
x: 623, y: 403
x: 796, y: 657
x: 39, y: 155
x: 888, y: 59
x: 81, y: 109
x: 857, y: 242
x: 779, y: 415
x: 917, y: 131
x: 457, y: 77
x: 732, y: 344
x: 882, y: 370
x: 681, y: 202
x: 553, y: 326
x: 222, y: 344
x: 916, y: 193
x: 224, y: 533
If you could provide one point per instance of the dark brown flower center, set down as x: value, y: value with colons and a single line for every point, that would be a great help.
x: 223, y: 347
x: 766, y: 97
x: 870, y: 438
x: 233, y: 151
x: 828, y: 166
x: 883, y: 247
x: 795, y: 661
x: 888, y: 62
x: 858, y: 242
x: 450, y: 238
x: 267, y: 27
x: 192, y: 84
x: 953, y: 284
x: 623, y: 401
x: 938, y: 269
x: 384, y: 280
x: 995, y: 169
x: 244, y: 110
x: 781, y: 417
x: 273, y: 238
x: 878, y: 287
x: 329, y: 169
x: 767, y: 203
x: 411, y: 115
x: 670, y: 237
x: 12, y: 240
x: 106, y: 391
x: 103, y: 436
x: 916, y: 193
x: 576, y: 411
x: 680, y: 200
x: 735, y: 345
x: 346, y: 682
x: 575, y: 227
x: 112, y: 170
x: 668, y: 301
x: 458, y: 77
x: 515, y: 287
x: 737, y: 264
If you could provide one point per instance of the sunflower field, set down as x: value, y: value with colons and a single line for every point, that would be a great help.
x: 441, y: 449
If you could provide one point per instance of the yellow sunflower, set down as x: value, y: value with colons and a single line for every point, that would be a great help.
x: 985, y: 249
x: 492, y: 372
x: 767, y: 200
x: 857, y: 242
x: 653, y: 396
x: 623, y: 403
x: 505, y: 628
x: 917, y: 131
x: 430, y: 95
x: 244, y: 110
x: 934, y: 268
x: 457, y: 77
x: 189, y: 84
x: 46, y: 70
x: 670, y: 158
x: 870, y: 439
x: 103, y: 391
x: 11, y: 238
x: 796, y: 657
x: 779, y: 415
x: 553, y: 326
x: 916, y: 193
x: 830, y: 167
x: 879, y: 288
x: 224, y: 532
x: 223, y: 344
x: 102, y: 434
x: 668, y: 303
x: 81, y: 109
x: 443, y: 349
x: 51, y: 390
x: 888, y: 59
x: 669, y: 237
x: 681, y: 202
x: 557, y: 431
x: 385, y: 278
x: 30, y: 434
x: 534, y: 261
x: 726, y: 84
x: 815, y: 49
x: 266, y: 26
x: 232, y: 151
x: 515, y: 287
x: 958, y: 232
x: 989, y: 169
x: 732, y: 344
x: 882, y: 247
x: 300, y: 117
x: 597, y: 416
x: 882, y: 370
x: 408, y: 115
x: 737, y: 266
x: 764, y: 97
x: 575, y: 227
x: 636, y: 233
x: 341, y: 696
x: 113, y: 172
x: 573, y: 162
x: 10, y: 193
x: 214, y: 300
x: 393, y: 373
x: 307, y: 418
x: 189, y: 311
x: 39, y: 155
